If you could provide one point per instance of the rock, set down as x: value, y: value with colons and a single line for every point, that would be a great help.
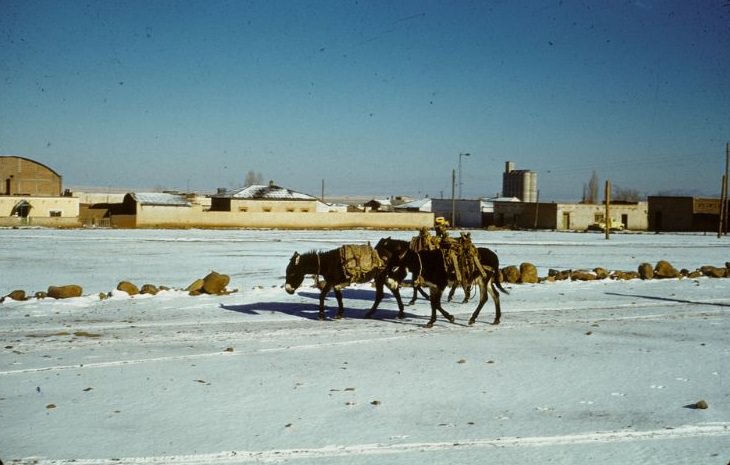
x: 215, y: 283
x: 582, y: 275
x: 560, y: 275
x: 511, y: 274
x: 713, y: 271
x: 646, y: 271
x: 665, y: 270
x: 103, y: 295
x: 528, y: 273
x: 65, y: 292
x: 18, y: 294
x: 694, y: 274
x: 128, y: 287
x: 149, y: 289
x: 196, y: 288
x: 601, y: 273
x: 40, y: 295
x: 624, y: 275
x: 702, y: 404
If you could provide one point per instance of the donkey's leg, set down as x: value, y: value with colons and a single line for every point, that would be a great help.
x: 435, y: 300
x: 484, y: 290
x: 394, y: 287
x: 452, y: 292
x: 436, y: 293
x: 415, y: 295
x: 340, y: 308
x: 322, y: 294
x: 497, y: 307
x: 378, y: 296
x: 467, y: 292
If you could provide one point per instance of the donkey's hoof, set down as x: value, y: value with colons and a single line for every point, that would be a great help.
x: 471, y: 322
x: 495, y: 322
x: 451, y: 319
x: 339, y: 316
x: 429, y: 324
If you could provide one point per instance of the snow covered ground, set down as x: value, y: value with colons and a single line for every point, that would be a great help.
x: 599, y: 372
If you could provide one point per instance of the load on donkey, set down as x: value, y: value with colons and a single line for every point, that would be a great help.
x: 338, y: 268
x: 437, y: 261
x: 461, y: 258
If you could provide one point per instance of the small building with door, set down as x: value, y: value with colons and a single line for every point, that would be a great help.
x: 684, y: 214
x: 568, y: 216
x: 31, y: 194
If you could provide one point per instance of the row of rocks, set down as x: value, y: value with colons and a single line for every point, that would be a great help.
x: 214, y: 284
x: 526, y: 273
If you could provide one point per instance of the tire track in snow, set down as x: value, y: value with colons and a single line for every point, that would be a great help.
x: 703, y: 430
x: 114, y: 363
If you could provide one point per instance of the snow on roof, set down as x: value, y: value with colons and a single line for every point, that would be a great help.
x: 419, y: 203
x: 269, y: 192
x: 160, y: 198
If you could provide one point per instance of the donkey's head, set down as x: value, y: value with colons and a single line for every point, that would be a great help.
x: 294, y: 274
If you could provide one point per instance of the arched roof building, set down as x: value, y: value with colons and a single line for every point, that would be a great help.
x: 23, y: 176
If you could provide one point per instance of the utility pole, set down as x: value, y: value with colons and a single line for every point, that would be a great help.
x: 322, y: 198
x: 460, y: 183
x: 453, y: 199
x: 724, y: 195
x: 608, y: 209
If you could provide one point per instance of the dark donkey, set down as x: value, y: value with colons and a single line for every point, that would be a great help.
x: 488, y: 259
x: 332, y: 267
x: 429, y: 267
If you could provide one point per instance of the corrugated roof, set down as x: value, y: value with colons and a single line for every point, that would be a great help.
x: 160, y: 198
x: 269, y: 192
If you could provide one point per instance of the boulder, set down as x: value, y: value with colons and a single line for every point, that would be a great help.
x: 196, y: 288
x: 528, y: 273
x: 128, y: 287
x: 215, y: 283
x: 65, y: 292
x: 625, y: 275
x: 511, y: 274
x: 583, y: 275
x: 646, y: 271
x: 18, y: 294
x: 713, y: 271
x: 149, y: 289
x: 601, y: 273
x: 40, y: 295
x: 665, y: 270
x: 563, y: 275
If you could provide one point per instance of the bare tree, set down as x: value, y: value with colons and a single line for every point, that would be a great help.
x: 590, y: 190
x: 253, y: 178
x: 620, y: 194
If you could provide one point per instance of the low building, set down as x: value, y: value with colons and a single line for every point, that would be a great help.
x: 253, y: 207
x: 460, y: 213
x: 568, y: 216
x: 680, y: 214
x: 30, y: 195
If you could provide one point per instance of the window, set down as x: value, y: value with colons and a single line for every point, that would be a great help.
x: 243, y: 209
x: 56, y: 213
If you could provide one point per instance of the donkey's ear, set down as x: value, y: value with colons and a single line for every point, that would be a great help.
x: 296, y: 258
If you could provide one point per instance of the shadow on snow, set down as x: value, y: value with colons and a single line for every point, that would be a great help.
x: 310, y: 311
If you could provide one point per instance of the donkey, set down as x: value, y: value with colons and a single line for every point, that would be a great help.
x: 331, y: 267
x: 487, y: 259
x: 429, y: 267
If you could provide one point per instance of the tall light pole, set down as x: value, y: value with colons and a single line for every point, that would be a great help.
x: 461, y: 155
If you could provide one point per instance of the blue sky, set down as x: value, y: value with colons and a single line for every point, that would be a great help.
x: 373, y: 97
